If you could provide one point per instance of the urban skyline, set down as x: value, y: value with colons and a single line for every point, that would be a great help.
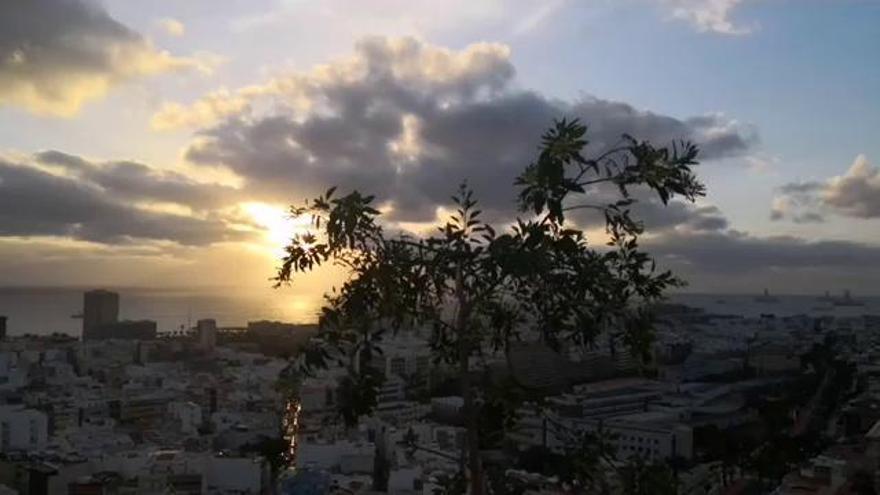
x: 457, y: 247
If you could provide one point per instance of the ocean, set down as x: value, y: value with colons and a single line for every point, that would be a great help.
x: 43, y: 311
x: 751, y: 305
x: 47, y: 310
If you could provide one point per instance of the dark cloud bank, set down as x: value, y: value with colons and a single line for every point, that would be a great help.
x: 57, y: 54
x: 34, y: 202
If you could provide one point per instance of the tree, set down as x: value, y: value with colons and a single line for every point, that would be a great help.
x: 476, y: 289
x: 639, y: 477
x: 590, y: 458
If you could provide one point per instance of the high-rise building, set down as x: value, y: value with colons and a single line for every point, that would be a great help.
x: 2, y: 327
x: 207, y: 331
x: 100, y: 307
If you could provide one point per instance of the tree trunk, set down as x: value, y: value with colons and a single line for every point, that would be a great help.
x: 472, y: 424
x: 464, y: 384
x: 471, y: 414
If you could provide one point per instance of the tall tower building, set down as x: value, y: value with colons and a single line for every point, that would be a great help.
x: 100, y: 307
x: 2, y: 327
x: 207, y: 332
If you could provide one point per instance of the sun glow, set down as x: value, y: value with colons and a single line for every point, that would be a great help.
x: 277, y: 225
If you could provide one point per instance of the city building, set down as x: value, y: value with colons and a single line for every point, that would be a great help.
x: 12, y: 376
x: 188, y: 414
x: 22, y: 429
x: 100, y: 307
x: 266, y: 327
x: 655, y: 440
x: 142, y: 409
x: 207, y: 334
x: 125, y: 330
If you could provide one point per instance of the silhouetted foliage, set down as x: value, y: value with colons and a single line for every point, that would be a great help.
x: 639, y: 477
x: 475, y: 288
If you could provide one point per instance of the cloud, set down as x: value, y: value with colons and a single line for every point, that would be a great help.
x: 172, y: 27
x: 682, y: 216
x: 128, y: 181
x: 347, y: 19
x: 401, y: 118
x: 539, y: 16
x: 652, y: 213
x: 50, y: 261
x: 857, y: 192
x: 409, y: 120
x: 854, y: 194
x: 114, y: 208
x: 386, y: 16
x: 206, y: 111
x: 713, y: 16
x: 798, y: 202
x: 736, y: 251
x: 57, y: 54
x: 425, y: 71
x: 739, y: 262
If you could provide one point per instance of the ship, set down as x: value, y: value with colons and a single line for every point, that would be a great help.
x: 766, y: 298
x: 847, y: 300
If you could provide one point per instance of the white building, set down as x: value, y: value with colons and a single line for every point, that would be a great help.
x: 772, y: 359
x: 12, y: 377
x: 404, y: 356
x: 393, y: 389
x: 345, y: 456
x: 236, y: 475
x: 317, y: 395
x: 187, y: 414
x: 401, y: 412
x: 207, y: 332
x: 447, y: 407
x: 650, y: 440
x: 609, y: 398
x: 22, y: 429
x: 406, y: 480
x: 185, y: 472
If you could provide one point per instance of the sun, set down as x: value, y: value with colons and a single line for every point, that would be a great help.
x: 277, y: 225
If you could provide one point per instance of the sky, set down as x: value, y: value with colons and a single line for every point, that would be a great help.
x: 158, y: 143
